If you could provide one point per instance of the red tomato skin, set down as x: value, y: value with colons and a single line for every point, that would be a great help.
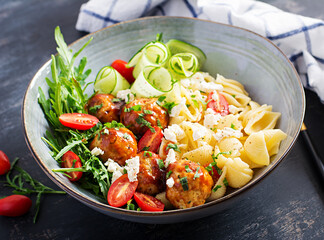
x: 79, y: 121
x: 126, y: 72
x: 4, y: 163
x: 215, y: 176
x: 67, y: 162
x: 220, y: 106
x: 127, y: 193
x: 151, y: 140
x: 14, y: 205
x: 148, y: 203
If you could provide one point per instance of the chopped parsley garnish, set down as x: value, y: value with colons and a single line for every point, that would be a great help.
x: 168, y: 174
x: 160, y: 100
x: 169, y: 105
x: 135, y: 108
x: 212, y: 165
x: 124, y: 170
x: 148, y: 111
x: 216, y: 187
x: 202, y: 91
x: 188, y: 105
x: 131, y: 206
x: 174, y: 147
x: 188, y: 169
x: 193, y: 96
x: 197, y: 174
x: 160, y: 163
x: 184, y: 183
x: 140, y: 120
x: 145, y: 148
x: 159, y: 123
x: 213, y: 129
x: 195, y: 102
x: 225, y: 182
x: 233, y: 95
x: 95, y: 108
x: 148, y: 154
x: 221, y: 153
x: 116, y: 100
x: 126, y: 136
x: 233, y: 126
x: 114, y: 124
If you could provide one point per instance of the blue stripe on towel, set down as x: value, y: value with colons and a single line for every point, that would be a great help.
x: 147, y: 7
x: 191, y: 8
x: 294, y: 57
x: 109, y: 12
x: 229, y: 17
x: 96, y: 15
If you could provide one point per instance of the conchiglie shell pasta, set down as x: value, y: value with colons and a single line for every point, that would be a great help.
x: 220, y: 192
x: 232, y: 145
x: 237, y: 99
x: 221, y: 158
x: 262, y: 121
x: 273, y: 137
x: 256, y: 149
x: 202, y: 155
x: 228, y: 121
x: 247, y: 160
x: 177, y: 120
x: 238, y: 173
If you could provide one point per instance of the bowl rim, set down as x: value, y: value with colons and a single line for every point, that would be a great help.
x: 120, y: 211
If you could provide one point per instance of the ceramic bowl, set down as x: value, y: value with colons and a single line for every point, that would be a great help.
x: 236, y: 53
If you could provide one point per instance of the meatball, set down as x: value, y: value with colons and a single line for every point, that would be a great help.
x: 117, y: 144
x: 192, y: 184
x: 151, y: 179
x: 139, y: 113
x: 102, y: 106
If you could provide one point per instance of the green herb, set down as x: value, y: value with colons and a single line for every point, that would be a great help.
x: 216, y: 187
x: 168, y: 174
x: 127, y: 109
x: 148, y: 154
x: 225, y: 182
x: 114, y: 124
x: 159, y: 123
x: 174, y: 147
x: 169, y: 105
x: 147, y: 111
x: 160, y: 100
x: 188, y: 105
x: 197, y: 174
x: 145, y: 148
x: 23, y: 184
x: 184, y: 183
x: 125, y: 171
x: 213, y: 129
x: 95, y: 108
x: 188, y: 169
x: 160, y: 163
x: 130, y: 205
x: 193, y: 96
x: 202, y: 91
x: 135, y: 108
x: 140, y: 120
x: 195, y: 102
x: 233, y: 96
x: 116, y: 100
x: 233, y: 126
x: 221, y: 153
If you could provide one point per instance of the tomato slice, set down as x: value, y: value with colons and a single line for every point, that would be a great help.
x: 71, y: 160
x: 126, y: 72
x: 150, y: 140
x: 80, y: 121
x: 220, y: 106
x: 121, y: 191
x: 148, y: 203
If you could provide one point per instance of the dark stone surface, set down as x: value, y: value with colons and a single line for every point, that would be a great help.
x: 288, y: 204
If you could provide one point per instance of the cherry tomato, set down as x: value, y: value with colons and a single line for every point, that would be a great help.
x: 121, y: 191
x: 4, y: 163
x: 214, y: 174
x: 71, y: 160
x: 80, y: 121
x: 14, y: 205
x: 150, y: 141
x: 220, y: 106
x: 126, y: 72
x: 148, y: 203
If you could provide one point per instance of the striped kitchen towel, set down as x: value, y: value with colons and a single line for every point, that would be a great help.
x: 300, y: 38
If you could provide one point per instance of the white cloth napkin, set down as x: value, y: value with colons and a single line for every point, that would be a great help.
x: 300, y: 38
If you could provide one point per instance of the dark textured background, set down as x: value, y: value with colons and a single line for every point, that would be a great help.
x: 288, y: 204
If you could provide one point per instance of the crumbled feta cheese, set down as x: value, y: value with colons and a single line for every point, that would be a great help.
x: 97, y: 151
x: 227, y: 132
x: 106, y: 131
x: 126, y: 95
x: 170, y: 158
x: 174, y: 133
x: 132, y: 167
x: 232, y: 109
x: 210, y: 120
x: 115, y: 176
x: 115, y: 169
x: 210, y: 86
x: 170, y: 182
x: 198, y: 131
x: 185, y: 82
x: 215, y: 97
x: 175, y: 111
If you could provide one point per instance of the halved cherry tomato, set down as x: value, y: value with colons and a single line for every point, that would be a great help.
x: 121, y: 191
x: 71, y: 160
x: 4, y: 163
x: 126, y: 72
x: 14, y: 205
x: 148, y: 203
x: 150, y: 140
x: 220, y: 106
x: 80, y: 121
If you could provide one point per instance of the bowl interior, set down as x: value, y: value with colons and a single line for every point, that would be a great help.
x: 233, y: 52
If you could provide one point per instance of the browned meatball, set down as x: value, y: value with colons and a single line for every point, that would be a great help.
x: 102, y: 106
x: 119, y: 145
x: 145, y: 109
x: 151, y: 179
x: 195, y: 191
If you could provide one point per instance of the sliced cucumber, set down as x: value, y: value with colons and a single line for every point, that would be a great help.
x: 152, y: 81
x: 108, y: 80
x: 152, y: 54
x: 176, y: 46
x: 183, y: 65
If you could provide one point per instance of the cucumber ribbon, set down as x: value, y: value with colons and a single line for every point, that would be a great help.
x: 183, y: 65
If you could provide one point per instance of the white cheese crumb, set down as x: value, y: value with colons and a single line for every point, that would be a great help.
x: 115, y: 169
x: 185, y: 82
x: 126, y: 95
x: 232, y: 109
x: 170, y: 182
x: 106, y: 131
x: 210, y: 86
x: 211, y: 119
x: 170, y: 158
x: 97, y: 151
x: 198, y: 131
x: 174, y: 133
x: 175, y: 111
x: 115, y: 176
x: 227, y: 132
x: 132, y: 167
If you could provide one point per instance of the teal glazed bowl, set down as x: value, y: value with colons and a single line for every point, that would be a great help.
x: 236, y: 53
